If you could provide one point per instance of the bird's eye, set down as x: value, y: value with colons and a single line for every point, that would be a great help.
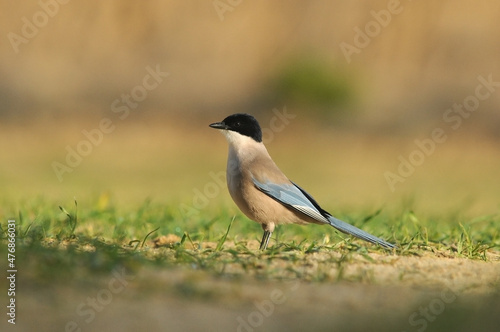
x: 237, y: 124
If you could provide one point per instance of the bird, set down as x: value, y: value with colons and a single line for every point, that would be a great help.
x: 261, y: 190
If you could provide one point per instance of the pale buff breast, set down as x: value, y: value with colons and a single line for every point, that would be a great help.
x: 253, y: 160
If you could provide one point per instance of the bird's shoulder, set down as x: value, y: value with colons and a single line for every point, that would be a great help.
x: 264, y: 169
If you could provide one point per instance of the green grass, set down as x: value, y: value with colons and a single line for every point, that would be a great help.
x: 66, y: 254
x: 75, y: 240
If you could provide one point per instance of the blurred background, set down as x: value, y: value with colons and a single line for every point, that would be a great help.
x: 110, y: 102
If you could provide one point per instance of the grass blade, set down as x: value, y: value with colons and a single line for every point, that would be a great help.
x: 147, y: 235
x: 223, y: 238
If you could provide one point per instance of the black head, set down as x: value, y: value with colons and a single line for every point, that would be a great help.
x: 242, y: 123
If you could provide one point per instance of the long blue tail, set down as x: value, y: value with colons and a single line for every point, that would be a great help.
x: 350, y: 229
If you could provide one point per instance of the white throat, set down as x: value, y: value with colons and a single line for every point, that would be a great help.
x: 243, y: 147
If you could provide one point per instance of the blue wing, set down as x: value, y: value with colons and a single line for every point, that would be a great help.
x: 297, y: 198
x: 291, y: 196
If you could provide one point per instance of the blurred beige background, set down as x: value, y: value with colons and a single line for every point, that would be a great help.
x: 66, y: 66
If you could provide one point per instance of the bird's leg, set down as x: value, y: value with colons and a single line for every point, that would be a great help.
x: 265, y: 240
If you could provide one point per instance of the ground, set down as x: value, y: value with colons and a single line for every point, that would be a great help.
x: 319, y: 290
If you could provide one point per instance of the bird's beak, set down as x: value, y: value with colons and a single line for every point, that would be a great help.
x: 219, y: 125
